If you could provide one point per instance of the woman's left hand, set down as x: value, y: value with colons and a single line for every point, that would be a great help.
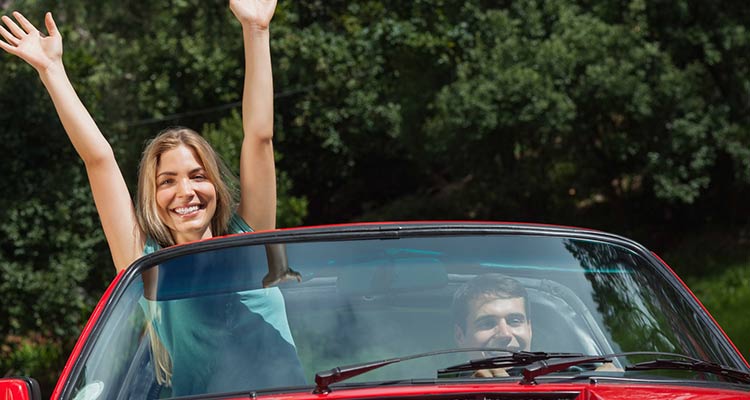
x: 254, y: 13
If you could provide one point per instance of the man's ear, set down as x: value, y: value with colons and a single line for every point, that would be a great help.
x: 459, y: 335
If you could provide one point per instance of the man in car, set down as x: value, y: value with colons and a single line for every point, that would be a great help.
x: 492, y: 311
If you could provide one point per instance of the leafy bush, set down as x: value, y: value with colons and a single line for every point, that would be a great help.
x: 726, y: 296
x: 34, y: 355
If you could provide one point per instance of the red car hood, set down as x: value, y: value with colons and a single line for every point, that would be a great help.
x: 584, y: 391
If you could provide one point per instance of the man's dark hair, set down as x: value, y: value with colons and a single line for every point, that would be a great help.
x: 491, y: 286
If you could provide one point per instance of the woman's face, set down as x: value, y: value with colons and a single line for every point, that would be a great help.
x: 185, y: 197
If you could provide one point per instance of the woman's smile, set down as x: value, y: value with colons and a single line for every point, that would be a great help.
x: 189, y: 211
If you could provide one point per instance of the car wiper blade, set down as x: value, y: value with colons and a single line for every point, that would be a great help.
x: 541, y: 363
x: 679, y: 361
x: 691, y: 364
x: 511, y: 359
x: 543, y: 368
x: 324, y: 379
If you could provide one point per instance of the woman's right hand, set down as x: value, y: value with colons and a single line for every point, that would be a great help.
x: 26, y: 42
x: 111, y: 195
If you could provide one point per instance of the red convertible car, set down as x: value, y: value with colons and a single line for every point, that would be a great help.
x: 401, y: 310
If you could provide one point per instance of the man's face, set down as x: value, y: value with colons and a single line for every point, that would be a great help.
x: 495, y: 322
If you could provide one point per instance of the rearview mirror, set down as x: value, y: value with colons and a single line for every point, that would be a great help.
x: 19, y: 389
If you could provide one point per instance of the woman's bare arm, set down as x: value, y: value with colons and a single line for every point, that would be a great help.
x: 257, y: 169
x: 110, y: 192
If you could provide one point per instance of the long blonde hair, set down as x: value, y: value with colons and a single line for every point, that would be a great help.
x: 151, y: 224
x: 146, y: 208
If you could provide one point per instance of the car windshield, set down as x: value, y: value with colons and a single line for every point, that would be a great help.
x: 199, y: 321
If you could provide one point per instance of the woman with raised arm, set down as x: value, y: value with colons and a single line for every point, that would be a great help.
x: 182, y: 194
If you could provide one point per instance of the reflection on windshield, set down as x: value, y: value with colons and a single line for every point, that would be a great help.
x: 620, y: 299
x: 204, y: 323
x: 635, y: 310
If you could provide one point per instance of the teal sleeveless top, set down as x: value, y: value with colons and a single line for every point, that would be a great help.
x: 236, y: 341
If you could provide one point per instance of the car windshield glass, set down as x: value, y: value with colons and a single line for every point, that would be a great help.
x: 202, y: 322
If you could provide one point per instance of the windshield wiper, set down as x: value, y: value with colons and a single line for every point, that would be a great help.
x: 681, y: 362
x: 540, y: 364
x: 511, y: 359
x: 324, y: 379
x: 691, y: 364
x: 562, y: 362
x: 543, y: 368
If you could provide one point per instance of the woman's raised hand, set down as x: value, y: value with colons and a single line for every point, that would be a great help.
x: 253, y: 13
x: 26, y: 42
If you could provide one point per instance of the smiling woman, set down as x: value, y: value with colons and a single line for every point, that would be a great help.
x: 184, y: 187
x: 182, y: 194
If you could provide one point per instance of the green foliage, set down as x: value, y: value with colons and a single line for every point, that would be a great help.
x: 35, y: 355
x: 406, y: 102
x: 726, y: 297
x: 547, y: 83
